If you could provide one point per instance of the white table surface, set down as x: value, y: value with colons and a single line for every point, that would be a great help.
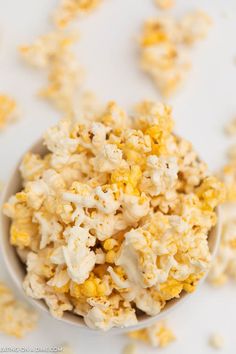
x: 109, y: 53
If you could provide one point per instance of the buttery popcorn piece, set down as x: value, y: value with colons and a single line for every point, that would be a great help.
x: 8, y: 111
x: 157, y: 335
x: 70, y: 9
x: 53, y: 53
x: 164, y: 4
x: 130, y: 348
x: 165, y: 48
x: 216, y: 341
x: 115, y: 217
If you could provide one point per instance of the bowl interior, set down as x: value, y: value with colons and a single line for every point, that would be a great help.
x: 17, y: 269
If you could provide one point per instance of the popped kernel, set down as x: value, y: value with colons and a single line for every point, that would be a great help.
x: 53, y: 53
x: 105, y: 233
x: 130, y: 348
x: 216, y: 341
x: 165, y: 48
x: 70, y: 9
x: 157, y: 335
x: 164, y: 4
x: 8, y: 111
x: 16, y: 319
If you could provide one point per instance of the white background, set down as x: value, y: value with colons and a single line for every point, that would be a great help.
x: 108, y: 51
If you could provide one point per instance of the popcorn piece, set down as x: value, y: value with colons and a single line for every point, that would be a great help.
x: 216, y: 341
x: 53, y: 53
x: 8, y: 111
x: 165, y: 4
x: 157, y: 335
x: 67, y: 349
x: 115, y: 217
x: 16, y: 319
x: 230, y: 128
x: 70, y: 9
x: 130, y: 348
x: 165, y: 48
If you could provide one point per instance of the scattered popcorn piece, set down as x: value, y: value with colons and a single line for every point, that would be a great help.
x: 67, y: 349
x: 16, y: 319
x: 8, y: 111
x: 70, y: 9
x: 216, y: 341
x: 164, y: 4
x: 53, y: 53
x: 130, y: 348
x: 165, y: 48
x: 115, y: 217
x: 157, y: 335
x: 230, y: 128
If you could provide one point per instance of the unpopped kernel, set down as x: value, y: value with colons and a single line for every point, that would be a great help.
x: 16, y: 319
x: 115, y: 217
x: 165, y: 48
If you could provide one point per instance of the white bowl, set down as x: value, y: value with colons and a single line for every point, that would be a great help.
x: 17, y: 269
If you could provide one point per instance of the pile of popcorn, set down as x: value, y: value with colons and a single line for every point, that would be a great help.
x: 8, y: 110
x: 16, y: 318
x: 165, y: 46
x: 114, y: 219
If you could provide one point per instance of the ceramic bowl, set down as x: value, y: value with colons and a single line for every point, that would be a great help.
x: 17, y: 269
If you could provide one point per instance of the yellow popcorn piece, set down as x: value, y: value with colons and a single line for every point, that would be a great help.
x: 70, y: 9
x: 53, y: 53
x: 216, y: 341
x: 171, y: 289
x: 89, y: 288
x: 130, y: 348
x: 211, y: 193
x: 8, y: 110
x: 165, y: 47
x: 164, y: 4
x: 16, y: 319
x: 157, y: 335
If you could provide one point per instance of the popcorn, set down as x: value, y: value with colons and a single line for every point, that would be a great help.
x: 165, y: 46
x: 16, y: 318
x: 8, y: 111
x: 52, y: 52
x: 164, y: 4
x: 230, y: 128
x: 70, y: 9
x: 157, y: 335
x: 130, y: 348
x: 216, y: 341
x: 115, y: 217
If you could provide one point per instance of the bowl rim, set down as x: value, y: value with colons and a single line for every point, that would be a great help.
x: 16, y: 268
